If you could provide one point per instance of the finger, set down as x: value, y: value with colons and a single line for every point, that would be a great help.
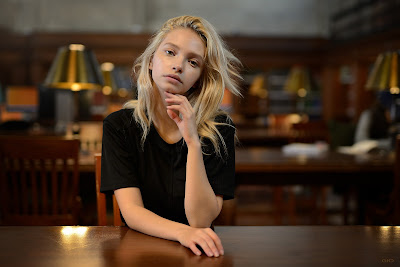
x: 174, y: 96
x: 211, y: 244
x: 174, y: 116
x: 179, y: 109
x: 217, y: 241
x: 204, y: 245
x: 194, y: 249
x: 174, y: 100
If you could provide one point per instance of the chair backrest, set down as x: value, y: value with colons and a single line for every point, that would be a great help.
x: 39, y: 180
x: 101, y: 199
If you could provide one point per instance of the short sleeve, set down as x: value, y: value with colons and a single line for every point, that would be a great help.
x: 118, y: 156
x: 221, y: 168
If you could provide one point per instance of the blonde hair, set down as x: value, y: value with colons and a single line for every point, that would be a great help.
x: 220, y: 72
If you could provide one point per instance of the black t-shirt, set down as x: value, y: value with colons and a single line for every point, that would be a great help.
x: 158, y: 169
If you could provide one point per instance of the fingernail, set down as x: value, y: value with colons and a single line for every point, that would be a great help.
x: 222, y: 252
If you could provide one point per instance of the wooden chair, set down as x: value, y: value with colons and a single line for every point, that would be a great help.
x: 101, y: 199
x: 39, y: 180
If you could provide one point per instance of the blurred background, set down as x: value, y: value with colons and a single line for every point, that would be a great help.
x: 311, y: 69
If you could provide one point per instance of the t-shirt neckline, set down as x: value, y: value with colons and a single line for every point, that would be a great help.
x: 153, y: 129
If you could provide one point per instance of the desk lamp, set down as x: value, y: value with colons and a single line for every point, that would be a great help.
x: 75, y: 68
x: 114, y: 82
x: 301, y: 83
x: 385, y: 77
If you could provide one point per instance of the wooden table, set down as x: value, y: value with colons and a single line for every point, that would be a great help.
x: 276, y: 137
x: 261, y: 165
x: 270, y: 166
x: 244, y: 246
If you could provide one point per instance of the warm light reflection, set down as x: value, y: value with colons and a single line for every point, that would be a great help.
x: 107, y: 66
x: 107, y: 90
x: 302, y: 92
x: 122, y: 92
x: 75, y: 87
x: 77, y: 231
x: 386, y: 234
x: 294, y: 118
x: 302, y: 159
x: 394, y: 90
x: 76, y: 47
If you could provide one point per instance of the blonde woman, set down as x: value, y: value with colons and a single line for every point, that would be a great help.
x: 169, y: 156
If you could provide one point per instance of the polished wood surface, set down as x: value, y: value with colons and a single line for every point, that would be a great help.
x: 39, y: 180
x: 244, y: 246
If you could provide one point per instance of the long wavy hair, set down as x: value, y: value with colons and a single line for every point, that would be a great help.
x: 220, y: 72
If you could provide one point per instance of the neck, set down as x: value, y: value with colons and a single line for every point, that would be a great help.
x: 166, y: 128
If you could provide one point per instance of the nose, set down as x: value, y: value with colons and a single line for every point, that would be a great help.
x: 177, y: 68
x: 177, y: 64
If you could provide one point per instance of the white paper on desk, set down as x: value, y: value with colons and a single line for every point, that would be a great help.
x: 305, y: 149
x: 361, y: 147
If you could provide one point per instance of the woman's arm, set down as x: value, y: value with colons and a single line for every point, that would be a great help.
x: 141, y: 219
x: 202, y: 206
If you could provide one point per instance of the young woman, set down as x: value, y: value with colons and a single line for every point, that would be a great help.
x: 169, y: 156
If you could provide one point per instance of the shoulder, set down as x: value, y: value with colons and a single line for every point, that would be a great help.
x: 120, y: 119
x: 224, y: 123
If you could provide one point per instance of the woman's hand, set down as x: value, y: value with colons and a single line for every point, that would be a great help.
x: 181, y: 112
x: 206, y: 238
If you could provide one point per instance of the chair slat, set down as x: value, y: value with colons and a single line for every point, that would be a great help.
x: 24, y: 191
x: 54, y: 188
x: 64, y: 187
x: 44, y: 191
x: 15, y: 208
x: 33, y: 178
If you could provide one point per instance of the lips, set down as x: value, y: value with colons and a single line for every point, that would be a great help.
x: 175, y: 77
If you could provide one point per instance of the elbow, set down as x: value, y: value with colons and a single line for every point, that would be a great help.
x: 199, y: 219
x: 202, y: 216
x: 198, y: 223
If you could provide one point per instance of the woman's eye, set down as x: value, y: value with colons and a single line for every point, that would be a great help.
x: 193, y: 63
x: 170, y: 52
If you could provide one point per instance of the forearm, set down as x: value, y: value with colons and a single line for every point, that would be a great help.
x: 201, y: 204
x: 143, y: 220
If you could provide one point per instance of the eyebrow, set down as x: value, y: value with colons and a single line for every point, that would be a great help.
x: 194, y: 54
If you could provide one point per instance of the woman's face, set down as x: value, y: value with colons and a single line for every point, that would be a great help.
x: 178, y: 62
